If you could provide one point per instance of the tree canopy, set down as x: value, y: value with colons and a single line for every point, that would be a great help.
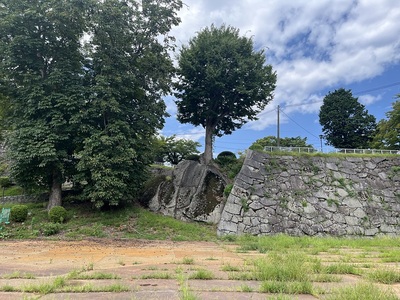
x: 174, y: 150
x: 387, y: 135
x: 283, y: 142
x: 85, y: 79
x: 345, y: 122
x: 222, y: 82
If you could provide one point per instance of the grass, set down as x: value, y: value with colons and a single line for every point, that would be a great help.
x: 387, y: 276
x: 19, y: 275
x: 362, y: 291
x: 281, y: 287
x: 126, y: 222
x: 202, y: 274
x: 92, y: 276
x: 341, y: 268
x: 158, y: 275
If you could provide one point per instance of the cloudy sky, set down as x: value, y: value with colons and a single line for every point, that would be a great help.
x: 315, y: 46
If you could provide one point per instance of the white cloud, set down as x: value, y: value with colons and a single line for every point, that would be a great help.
x: 369, y: 99
x: 313, y: 45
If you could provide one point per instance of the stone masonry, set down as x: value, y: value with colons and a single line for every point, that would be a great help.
x: 311, y: 195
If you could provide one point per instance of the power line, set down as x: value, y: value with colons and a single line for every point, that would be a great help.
x: 298, y: 124
x: 355, y: 93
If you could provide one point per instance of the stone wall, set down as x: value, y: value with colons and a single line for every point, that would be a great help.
x: 20, y: 199
x: 314, y: 196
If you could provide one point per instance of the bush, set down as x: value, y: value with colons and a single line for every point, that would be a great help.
x: 19, y: 213
x: 5, y: 182
x: 51, y: 228
x: 58, y: 214
x: 225, y: 154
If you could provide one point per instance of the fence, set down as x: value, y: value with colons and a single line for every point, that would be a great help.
x: 345, y: 151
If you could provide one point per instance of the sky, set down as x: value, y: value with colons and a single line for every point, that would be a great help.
x: 315, y: 47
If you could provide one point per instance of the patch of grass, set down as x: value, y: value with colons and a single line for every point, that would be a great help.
x: 362, y: 291
x: 384, y: 276
x: 281, y: 287
x: 341, y: 268
x: 390, y: 256
x: 230, y: 268
x: 158, y: 275
x: 283, y: 267
x: 188, y: 261
x: 92, y: 276
x: 202, y: 274
x: 186, y: 293
x: 245, y: 288
x: 325, y: 278
x: 19, y: 275
x: 13, y: 190
x: 44, y: 288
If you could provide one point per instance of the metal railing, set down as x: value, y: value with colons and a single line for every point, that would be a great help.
x: 290, y: 149
x: 345, y: 151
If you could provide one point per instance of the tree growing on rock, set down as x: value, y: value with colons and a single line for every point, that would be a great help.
x: 222, y: 82
x: 345, y: 122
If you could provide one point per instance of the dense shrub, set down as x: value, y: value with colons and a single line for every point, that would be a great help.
x: 224, y: 154
x: 51, y: 228
x: 19, y: 213
x: 58, y: 214
x: 5, y: 182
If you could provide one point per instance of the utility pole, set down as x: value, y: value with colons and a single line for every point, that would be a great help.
x: 278, y: 133
x: 321, y: 137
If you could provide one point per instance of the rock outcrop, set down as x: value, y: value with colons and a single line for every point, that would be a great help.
x: 194, y: 192
x: 314, y: 196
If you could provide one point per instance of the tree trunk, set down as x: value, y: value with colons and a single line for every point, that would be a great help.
x: 55, y: 192
x: 208, y: 152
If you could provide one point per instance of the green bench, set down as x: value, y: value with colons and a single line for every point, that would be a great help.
x: 5, y: 216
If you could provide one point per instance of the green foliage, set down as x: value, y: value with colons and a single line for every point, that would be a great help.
x: 58, y: 214
x: 84, y: 109
x: 222, y: 82
x: 5, y: 182
x: 173, y: 150
x: 345, y: 122
x: 49, y: 229
x: 126, y: 83
x: 387, y: 134
x: 361, y: 291
x: 19, y: 213
x: 283, y: 142
x: 228, y: 189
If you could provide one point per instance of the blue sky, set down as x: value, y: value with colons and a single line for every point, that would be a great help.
x: 315, y: 46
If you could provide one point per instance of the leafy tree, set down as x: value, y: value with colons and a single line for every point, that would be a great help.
x: 387, y: 135
x: 128, y: 71
x: 345, y: 122
x: 222, y: 82
x: 85, y: 111
x: 41, y: 74
x: 173, y: 150
x: 283, y: 142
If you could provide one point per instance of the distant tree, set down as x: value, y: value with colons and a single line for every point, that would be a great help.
x: 345, y: 122
x: 222, y: 82
x: 283, y: 142
x: 173, y: 150
x: 387, y: 135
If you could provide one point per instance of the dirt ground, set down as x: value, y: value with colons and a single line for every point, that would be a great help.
x: 37, y: 262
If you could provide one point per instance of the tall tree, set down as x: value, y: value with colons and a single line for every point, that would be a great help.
x: 222, y: 82
x: 387, y: 135
x: 345, y: 122
x: 128, y: 71
x: 283, y: 142
x: 41, y: 73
